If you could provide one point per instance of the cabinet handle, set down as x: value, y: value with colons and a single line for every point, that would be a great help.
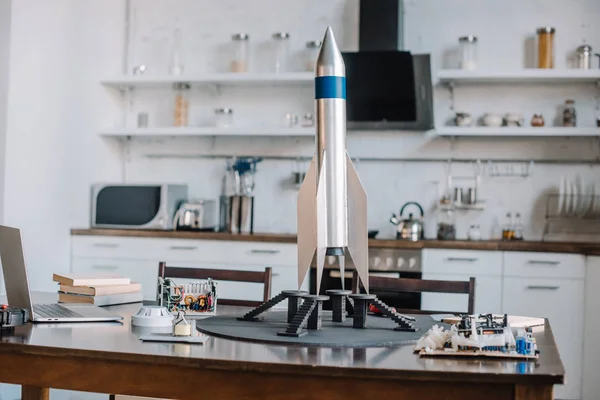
x: 542, y: 262
x: 538, y: 287
x: 258, y: 251
x: 111, y: 267
x: 106, y: 245
x: 466, y: 259
x: 183, y: 247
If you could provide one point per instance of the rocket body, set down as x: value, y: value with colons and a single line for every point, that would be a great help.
x: 332, y: 215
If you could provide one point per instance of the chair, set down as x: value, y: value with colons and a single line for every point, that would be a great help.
x: 223, y: 275
x: 401, y: 285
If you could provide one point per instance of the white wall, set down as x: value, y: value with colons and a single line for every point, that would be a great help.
x: 58, y: 51
x: 5, y: 13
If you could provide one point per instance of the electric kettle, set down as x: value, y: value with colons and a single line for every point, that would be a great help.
x: 409, y: 228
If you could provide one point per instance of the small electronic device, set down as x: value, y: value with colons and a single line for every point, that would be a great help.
x: 195, y: 298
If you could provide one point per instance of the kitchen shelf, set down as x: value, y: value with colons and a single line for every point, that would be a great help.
x: 207, y: 131
x: 227, y: 78
x: 479, y: 206
x: 482, y: 131
x: 529, y: 75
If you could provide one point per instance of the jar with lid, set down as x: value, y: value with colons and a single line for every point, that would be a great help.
x: 446, y: 220
x: 584, y: 57
x: 545, y: 39
x: 468, y: 52
x: 280, y: 51
x: 508, y: 229
x: 241, y: 52
x: 311, y: 52
x: 518, y: 231
x: 223, y: 117
x: 181, y: 104
x: 569, y: 114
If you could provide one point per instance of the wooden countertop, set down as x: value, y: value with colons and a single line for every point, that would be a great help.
x: 490, y: 245
x: 92, y: 355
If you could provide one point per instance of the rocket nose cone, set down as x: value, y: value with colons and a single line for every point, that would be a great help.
x: 329, y: 59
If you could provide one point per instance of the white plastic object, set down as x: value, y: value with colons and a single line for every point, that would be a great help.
x: 152, y: 316
x: 181, y: 327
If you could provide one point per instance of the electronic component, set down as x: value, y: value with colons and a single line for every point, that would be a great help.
x: 192, y: 298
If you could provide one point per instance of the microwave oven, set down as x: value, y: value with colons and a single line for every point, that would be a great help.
x: 135, y: 206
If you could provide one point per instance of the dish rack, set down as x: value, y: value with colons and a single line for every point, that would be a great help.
x: 575, y: 214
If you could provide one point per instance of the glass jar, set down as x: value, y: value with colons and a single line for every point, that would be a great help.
x: 241, y: 52
x: 584, y: 57
x: 446, y: 220
x: 597, y: 113
x: 223, y: 117
x: 280, y: 51
x: 545, y: 38
x: 181, y: 104
x: 176, y: 65
x: 569, y: 114
x: 468, y: 52
x: 537, y: 120
x: 518, y: 232
x: 312, y: 50
x: 508, y: 230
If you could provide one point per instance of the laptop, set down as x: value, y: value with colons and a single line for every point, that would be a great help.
x: 17, y: 288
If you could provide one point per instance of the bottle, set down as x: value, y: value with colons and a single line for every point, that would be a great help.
x: 518, y: 230
x: 507, y: 229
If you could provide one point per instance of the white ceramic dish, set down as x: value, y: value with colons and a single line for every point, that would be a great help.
x: 592, y: 193
x: 561, y: 197
x: 574, y: 198
x: 567, y: 192
x: 581, y: 199
x: 596, y: 212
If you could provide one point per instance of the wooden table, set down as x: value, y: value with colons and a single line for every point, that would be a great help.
x: 109, y: 358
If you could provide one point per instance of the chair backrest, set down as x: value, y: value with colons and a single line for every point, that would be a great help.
x: 263, y: 277
x: 401, y: 285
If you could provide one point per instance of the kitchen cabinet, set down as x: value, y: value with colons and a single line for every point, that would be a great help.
x: 591, y: 344
x: 138, y: 259
x: 461, y: 265
x: 552, y: 286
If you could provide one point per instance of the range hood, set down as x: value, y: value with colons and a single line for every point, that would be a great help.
x: 388, y: 88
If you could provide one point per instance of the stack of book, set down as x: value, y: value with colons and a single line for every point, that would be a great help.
x: 99, y: 290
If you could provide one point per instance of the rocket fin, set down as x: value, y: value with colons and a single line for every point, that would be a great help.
x: 358, y: 242
x: 307, y: 222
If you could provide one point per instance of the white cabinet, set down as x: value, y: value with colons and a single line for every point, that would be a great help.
x: 461, y: 265
x: 138, y: 259
x: 553, y: 289
x: 591, y: 344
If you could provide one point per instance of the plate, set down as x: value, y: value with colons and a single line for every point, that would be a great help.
x: 582, y: 199
x: 567, y: 192
x: 589, y: 196
x: 561, y: 197
x: 574, y: 198
x: 596, y: 210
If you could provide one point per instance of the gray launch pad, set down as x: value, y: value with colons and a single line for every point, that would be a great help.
x: 380, y: 331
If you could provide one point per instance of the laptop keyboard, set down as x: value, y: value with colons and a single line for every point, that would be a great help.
x: 54, y: 311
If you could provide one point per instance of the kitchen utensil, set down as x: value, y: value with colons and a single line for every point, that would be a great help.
x: 195, y: 215
x: 372, y: 234
x: 409, y: 228
x: 513, y: 119
x: 584, y: 57
x: 474, y: 233
x: 492, y: 120
x: 463, y: 119
x: 561, y: 197
x: 472, y: 196
x: 458, y: 195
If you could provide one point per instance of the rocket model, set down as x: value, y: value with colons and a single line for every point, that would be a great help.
x: 332, y: 204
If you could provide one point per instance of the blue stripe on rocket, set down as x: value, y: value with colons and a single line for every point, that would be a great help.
x: 330, y: 87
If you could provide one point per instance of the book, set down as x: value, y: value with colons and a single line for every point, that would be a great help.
x: 101, y: 290
x: 109, y: 300
x: 90, y: 279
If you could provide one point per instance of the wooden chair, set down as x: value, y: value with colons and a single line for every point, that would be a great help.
x: 403, y: 285
x: 223, y: 275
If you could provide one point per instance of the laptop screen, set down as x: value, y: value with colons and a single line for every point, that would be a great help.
x: 13, y: 268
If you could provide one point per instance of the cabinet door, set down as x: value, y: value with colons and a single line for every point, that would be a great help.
x: 144, y: 272
x: 488, y: 292
x: 562, y: 302
x: 591, y: 357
